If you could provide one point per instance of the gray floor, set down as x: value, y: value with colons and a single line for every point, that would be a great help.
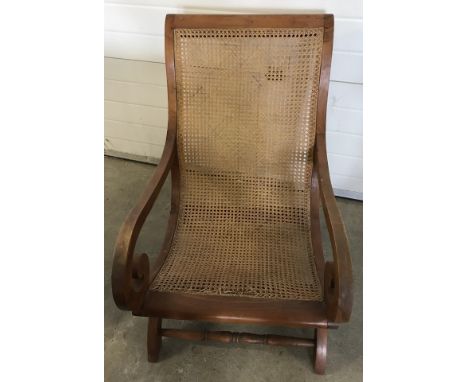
x: 125, y: 335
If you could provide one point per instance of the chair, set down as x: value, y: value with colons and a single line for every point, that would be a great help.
x: 246, y: 150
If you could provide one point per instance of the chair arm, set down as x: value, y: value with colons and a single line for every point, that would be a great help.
x: 338, y: 273
x: 130, y: 273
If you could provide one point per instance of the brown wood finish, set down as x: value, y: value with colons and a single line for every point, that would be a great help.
x: 320, y: 354
x: 315, y: 230
x: 235, y: 310
x: 338, y: 274
x: 153, y: 340
x: 251, y: 21
x: 131, y: 274
x: 238, y: 338
x: 172, y: 120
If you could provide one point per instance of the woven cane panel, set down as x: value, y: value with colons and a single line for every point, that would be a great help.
x: 246, y: 101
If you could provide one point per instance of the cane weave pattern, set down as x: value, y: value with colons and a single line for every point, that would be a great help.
x: 246, y: 118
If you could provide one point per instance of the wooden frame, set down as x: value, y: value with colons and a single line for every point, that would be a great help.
x: 131, y: 274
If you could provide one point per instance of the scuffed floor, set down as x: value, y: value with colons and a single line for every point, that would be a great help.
x: 125, y: 335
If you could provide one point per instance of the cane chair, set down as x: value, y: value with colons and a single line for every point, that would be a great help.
x: 246, y: 150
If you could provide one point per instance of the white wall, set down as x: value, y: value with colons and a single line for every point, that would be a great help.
x: 135, y: 82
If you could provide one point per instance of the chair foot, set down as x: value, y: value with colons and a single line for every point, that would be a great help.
x: 320, y: 359
x: 154, y: 338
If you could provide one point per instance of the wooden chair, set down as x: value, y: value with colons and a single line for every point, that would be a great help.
x: 246, y: 149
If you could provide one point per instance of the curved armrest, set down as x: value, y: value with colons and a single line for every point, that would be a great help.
x: 130, y: 274
x: 338, y: 274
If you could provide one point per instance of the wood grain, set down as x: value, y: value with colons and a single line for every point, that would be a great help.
x: 238, y: 338
x: 131, y: 274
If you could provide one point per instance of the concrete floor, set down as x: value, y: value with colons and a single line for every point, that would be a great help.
x: 125, y: 335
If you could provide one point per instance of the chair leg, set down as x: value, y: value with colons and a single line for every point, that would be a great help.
x: 320, y: 359
x: 154, y: 338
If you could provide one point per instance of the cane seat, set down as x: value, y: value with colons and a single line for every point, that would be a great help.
x: 246, y: 100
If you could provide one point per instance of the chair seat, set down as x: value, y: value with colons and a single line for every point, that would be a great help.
x: 241, y: 251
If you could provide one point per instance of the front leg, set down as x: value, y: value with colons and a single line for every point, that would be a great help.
x: 320, y: 360
x: 154, y: 338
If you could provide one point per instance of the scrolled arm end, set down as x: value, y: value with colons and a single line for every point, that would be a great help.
x: 130, y: 276
x: 338, y: 297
